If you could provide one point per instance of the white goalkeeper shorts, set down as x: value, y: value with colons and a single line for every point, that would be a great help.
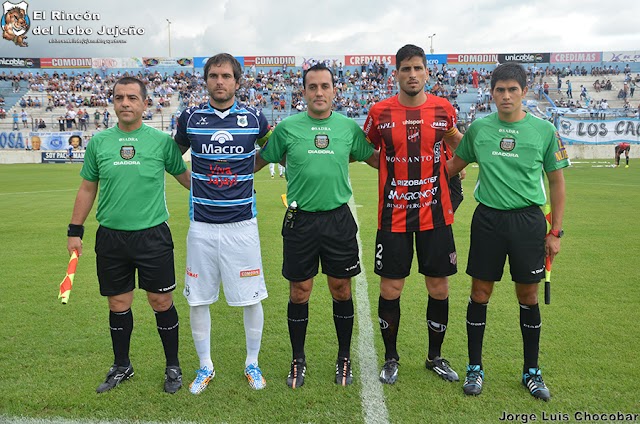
x: 227, y: 254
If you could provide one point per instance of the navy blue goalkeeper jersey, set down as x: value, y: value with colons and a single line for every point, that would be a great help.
x: 223, y: 148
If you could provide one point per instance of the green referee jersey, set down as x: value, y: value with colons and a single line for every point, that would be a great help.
x: 317, y: 153
x: 129, y: 167
x: 512, y: 157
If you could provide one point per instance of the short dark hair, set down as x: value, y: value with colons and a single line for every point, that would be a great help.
x: 75, y: 136
x: 317, y: 67
x: 132, y: 80
x: 407, y: 52
x: 222, y: 58
x: 509, y: 71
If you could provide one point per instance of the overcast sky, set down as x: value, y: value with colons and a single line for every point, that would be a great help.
x: 336, y: 27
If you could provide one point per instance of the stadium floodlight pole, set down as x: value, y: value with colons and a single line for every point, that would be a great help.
x: 431, y: 40
x: 169, y: 30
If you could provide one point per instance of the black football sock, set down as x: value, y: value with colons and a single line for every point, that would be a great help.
x: 343, y: 320
x: 167, y: 323
x: 437, y: 320
x: 389, y: 318
x: 530, y: 324
x: 476, y: 323
x: 121, y: 327
x: 298, y: 318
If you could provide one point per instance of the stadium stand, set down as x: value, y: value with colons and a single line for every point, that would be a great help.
x: 48, y: 96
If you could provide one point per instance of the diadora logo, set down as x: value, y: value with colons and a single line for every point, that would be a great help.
x: 202, y: 121
x: 439, y: 125
x: 383, y: 324
x: 436, y: 326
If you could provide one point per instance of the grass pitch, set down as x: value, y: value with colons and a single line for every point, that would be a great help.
x: 54, y: 355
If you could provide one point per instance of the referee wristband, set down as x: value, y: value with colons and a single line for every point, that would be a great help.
x: 74, y: 230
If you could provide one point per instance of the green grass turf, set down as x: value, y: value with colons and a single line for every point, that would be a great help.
x: 53, y: 356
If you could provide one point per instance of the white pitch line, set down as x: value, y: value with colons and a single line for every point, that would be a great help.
x: 37, y: 192
x: 373, y: 402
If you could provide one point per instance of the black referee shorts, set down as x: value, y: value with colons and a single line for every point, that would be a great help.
x: 120, y: 253
x: 327, y: 237
x: 518, y: 234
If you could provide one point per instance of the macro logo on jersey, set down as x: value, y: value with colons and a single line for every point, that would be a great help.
x: 221, y: 137
x: 321, y: 141
x: 507, y: 144
x: 127, y: 152
x: 223, y: 146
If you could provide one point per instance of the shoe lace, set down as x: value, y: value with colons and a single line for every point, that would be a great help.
x: 445, y: 364
x: 473, y: 375
x: 390, y: 365
x: 343, y: 367
x: 294, y: 368
x: 254, y: 372
x: 202, y: 374
x: 537, y: 378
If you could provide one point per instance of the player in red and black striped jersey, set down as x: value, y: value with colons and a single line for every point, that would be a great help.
x: 411, y: 130
x: 620, y: 148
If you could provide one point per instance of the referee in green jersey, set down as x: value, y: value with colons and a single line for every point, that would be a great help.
x: 127, y: 164
x: 514, y: 150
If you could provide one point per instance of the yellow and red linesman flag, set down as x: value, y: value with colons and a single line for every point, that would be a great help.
x: 67, y: 283
x: 547, y: 265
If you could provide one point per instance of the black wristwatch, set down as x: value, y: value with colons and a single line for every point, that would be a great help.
x: 557, y: 233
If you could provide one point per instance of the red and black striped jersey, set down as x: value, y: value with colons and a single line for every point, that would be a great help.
x: 412, y: 180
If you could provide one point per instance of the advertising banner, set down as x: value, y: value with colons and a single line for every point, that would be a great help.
x: 52, y: 140
x: 525, y: 57
x: 473, y: 59
x: 116, y: 62
x: 436, y: 59
x: 328, y: 60
x: 66, y: 62
x: 627, y: 56
x: 572, y: 57
x: 61, y: 157
x: 19, y: 62
x: 611, y: 131
x: 269, y: 61
x: 12, y: 140
x: 363, y: 59
x: 199, y: 61
x: 166, y: 62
